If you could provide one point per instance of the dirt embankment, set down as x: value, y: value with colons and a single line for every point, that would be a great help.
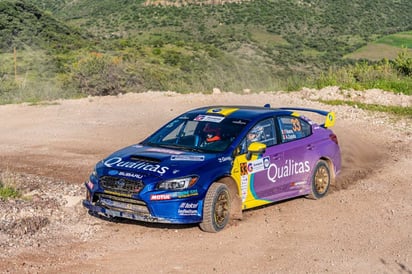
x: 364, y: 225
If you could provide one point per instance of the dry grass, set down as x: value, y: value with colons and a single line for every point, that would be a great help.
x: 179, y: 3
x: 376, y: 52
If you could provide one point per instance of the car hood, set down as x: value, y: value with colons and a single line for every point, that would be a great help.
x: 140, y: 162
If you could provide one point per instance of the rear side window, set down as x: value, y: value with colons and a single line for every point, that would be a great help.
x: 293, y: 128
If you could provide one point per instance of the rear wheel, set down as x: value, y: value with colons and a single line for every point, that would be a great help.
x: 321, y: 179
x: 216, y: 208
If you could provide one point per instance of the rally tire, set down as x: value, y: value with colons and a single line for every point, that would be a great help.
x: 216, y: 208
x: 321, y: 179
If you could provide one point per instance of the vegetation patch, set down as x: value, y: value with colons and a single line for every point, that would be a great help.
x: 375, y: 52
x: 8, y: 191
x: 394, y: 75
x: 62, y: 49
x: 402, y: 39
x: 396, y: 110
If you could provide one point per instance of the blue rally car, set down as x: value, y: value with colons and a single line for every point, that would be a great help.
x: 210, y: 163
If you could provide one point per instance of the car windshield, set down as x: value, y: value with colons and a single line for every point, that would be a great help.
x: 202, y: 133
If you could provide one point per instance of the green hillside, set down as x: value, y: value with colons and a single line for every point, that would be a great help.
x: 108, y: 47
x: 22, y: 24
x: 385, y: 47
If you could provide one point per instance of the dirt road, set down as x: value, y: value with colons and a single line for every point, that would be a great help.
x: 364, y: 225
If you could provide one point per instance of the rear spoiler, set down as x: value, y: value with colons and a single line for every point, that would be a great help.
x: 329, y: 116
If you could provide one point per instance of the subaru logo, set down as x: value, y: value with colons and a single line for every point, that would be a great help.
x: 121, y: 183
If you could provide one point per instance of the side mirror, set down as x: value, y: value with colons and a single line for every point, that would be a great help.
x: 255, y: 148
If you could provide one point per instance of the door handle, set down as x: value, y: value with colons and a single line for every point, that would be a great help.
x: 310, y: 147
x: 277, y: 157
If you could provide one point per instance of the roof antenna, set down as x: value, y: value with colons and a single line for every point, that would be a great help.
x: 267, y: 106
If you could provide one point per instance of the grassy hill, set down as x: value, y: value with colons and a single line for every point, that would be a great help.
x: 107, y: 47
x: 22, y: 24
x: 385, y: 47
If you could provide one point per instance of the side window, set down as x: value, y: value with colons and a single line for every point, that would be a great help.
x: 263, y: 132
x: 292, y: 128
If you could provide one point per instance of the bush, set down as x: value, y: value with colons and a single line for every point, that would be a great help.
x: 403, y: 63
x: 387, y: 75
x: 98, y: 74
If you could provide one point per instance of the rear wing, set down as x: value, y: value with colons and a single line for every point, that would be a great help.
x: 329, y: 116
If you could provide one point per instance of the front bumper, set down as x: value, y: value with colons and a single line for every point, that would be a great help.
x: 175, y: 212
x: 123, y: 214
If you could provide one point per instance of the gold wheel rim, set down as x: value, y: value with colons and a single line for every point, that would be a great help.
x: 221, y: 208
x: 321, y: 180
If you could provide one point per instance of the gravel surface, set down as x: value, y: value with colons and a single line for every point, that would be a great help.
x: 364, y: 225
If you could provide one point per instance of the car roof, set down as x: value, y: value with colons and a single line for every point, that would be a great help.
x: 240, y: 112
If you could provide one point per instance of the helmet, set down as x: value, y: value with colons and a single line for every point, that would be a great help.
x: 255, y: 134
x: 212, y: 132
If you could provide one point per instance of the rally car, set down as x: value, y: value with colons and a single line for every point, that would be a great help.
x: 209, y: 164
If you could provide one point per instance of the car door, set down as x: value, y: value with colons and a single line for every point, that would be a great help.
x: 253, y: 174
x: 299, y: 156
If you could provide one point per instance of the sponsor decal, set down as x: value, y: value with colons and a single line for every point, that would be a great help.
x: 90, y: 185
x: 173, y: 195
x: 258, y: 165
x: 209, y: 118
x: 184, y: 118
x: 188, y: 209
x: 243, y: 185
x: 160, y: 197
x: 266, y: 162
x: 121, y: 183
x: 298, y: 183
x: 164, y: 150
x: 223, y: 111
x: 224, y: 159
x: 117, y: 193
x: 194, y: 158
x: 131, y: 175
x: 239, y: 122
x: 216, y: 110
x: 289, y: 168
x: 186, y: 193
x: 113, y: 172
x: 118, y: 162
x: 250, y: 167
x: 122, y: 205
x: 172, y: 124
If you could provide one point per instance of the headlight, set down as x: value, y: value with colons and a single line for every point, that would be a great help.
x: 178, y: 183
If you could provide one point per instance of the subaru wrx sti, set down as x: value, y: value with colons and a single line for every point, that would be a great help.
x: 209, y: 164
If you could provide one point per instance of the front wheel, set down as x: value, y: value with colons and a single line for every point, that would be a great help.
x: 320, y: 180
x: 216, y: 208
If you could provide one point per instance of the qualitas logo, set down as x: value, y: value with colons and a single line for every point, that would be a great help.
x: 290, y: 168
x: 117, y: 162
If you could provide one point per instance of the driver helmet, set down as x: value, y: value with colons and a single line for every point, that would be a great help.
x: 212, y: 132
x: 255, y: 135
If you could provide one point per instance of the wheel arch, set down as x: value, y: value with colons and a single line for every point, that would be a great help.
x: 236, y: 200
x: 331, y: 168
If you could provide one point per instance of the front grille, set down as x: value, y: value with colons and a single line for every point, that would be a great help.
x: 124, y: 204
x: 121, y: 185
